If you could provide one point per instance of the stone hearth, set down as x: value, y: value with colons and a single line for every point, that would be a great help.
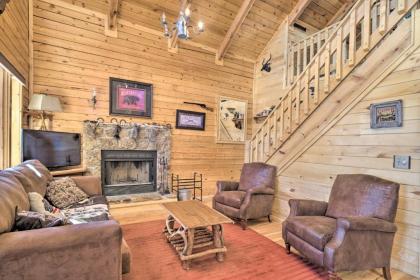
x: 98, y: 137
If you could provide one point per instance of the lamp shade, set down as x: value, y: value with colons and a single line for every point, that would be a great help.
x: 42, y: 102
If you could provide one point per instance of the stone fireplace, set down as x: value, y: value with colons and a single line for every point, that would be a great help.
x: 128, y: 172
x: 130, y: 158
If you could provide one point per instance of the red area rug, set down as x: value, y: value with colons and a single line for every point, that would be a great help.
x: 249, y: 256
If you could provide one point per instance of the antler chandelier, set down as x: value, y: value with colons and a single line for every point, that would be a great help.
x: 182, y: 26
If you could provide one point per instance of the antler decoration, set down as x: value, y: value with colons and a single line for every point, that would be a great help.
x: 266, y: 66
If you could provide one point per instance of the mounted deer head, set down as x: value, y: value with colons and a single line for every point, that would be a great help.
x: 3, y: 5
x: 266, y: 65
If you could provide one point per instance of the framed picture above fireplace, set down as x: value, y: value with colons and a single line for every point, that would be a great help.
x: 190, y: 120
x: 130, y: 98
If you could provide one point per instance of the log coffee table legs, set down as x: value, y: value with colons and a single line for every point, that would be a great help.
x: 189, y: 248
x: 218, y: 241
x: 185, y: 240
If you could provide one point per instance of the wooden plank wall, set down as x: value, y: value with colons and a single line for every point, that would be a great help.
x: 14, y: 38
x: 269, y: 87
x: 72, y: 55
x: 350, y: 146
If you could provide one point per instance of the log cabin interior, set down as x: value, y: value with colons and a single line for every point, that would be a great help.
x: 209, y: 139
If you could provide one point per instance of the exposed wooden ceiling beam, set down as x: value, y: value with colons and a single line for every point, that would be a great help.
x: 298, y: 10
x: 233, y: 29
x: 111, y: 19
x: 112, y: 13
x: 173, y: 41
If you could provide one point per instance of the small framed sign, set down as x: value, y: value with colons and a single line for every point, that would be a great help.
x: 130, y: 98
x: 190, y: 120
x: 387, y: 114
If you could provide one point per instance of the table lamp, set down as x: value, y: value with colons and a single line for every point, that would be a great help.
x: 44, y: 103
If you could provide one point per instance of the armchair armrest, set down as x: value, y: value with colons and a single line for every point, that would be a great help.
x: 89, y: 184
x: 223, y: 186
x: 303, y: 207
x: 365, y: 223
x: 370, y: 239
x: 91, y: 250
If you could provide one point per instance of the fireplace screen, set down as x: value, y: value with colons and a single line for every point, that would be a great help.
x: 128, y: 172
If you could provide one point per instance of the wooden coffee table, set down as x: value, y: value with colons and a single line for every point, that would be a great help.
x: 195, y: 219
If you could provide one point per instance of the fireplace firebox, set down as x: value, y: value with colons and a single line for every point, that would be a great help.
x: 128, y: 172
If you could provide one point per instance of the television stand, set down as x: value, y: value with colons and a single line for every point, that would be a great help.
x: 76, y: 170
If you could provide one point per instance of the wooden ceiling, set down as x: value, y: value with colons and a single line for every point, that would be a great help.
x: 252, y: 34
x: 317, y: 14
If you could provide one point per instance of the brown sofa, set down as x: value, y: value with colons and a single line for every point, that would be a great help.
x: 95, y: 250
x: 250, y: 198
x: 353, y: 231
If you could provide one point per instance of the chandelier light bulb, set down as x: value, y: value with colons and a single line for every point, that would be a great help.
x: 163, y: 18
x: 187, y: 11
x: 200, y: 26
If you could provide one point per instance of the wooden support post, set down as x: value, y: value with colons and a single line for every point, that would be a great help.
x: 402, y: 6
x: 339, y: 52
x: 382, y: 17
x: 299, y: 66
x: 280, y: 119
x: 290, y: 64
x: 316, y: 81
x: 311, y: 52
x: 296, y: 91
x: 352, y: 39
x: 289, y: 112
x: 327, y: 68
x: 305, y: 54
x: 306, y: 94
x: 366, y: 26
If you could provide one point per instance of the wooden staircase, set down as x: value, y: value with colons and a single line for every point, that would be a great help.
x: 347, y: 47
x: 301, y: 53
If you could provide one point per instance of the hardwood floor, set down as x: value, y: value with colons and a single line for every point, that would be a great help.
x: 143, y: 212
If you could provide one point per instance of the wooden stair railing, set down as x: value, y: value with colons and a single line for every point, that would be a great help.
x: 355, y: 36
x: 301, y: 53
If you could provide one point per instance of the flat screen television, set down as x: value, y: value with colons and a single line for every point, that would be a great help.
x: 53, y: 149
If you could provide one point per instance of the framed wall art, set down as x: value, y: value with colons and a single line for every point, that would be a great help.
x: 130, y: 98
x: 231, y: 120
x: 387, y: 114
x: 190, y: 120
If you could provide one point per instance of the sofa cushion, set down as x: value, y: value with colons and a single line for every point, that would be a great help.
x: 230, y: 198
x: 316, y: 230
x: 12, y: 195
x: 33, y: 176
x: 257, y: 174
x: 63, y: 192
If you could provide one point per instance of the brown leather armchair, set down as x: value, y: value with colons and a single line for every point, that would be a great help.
x: 250, y: 198
x: 353, y: 231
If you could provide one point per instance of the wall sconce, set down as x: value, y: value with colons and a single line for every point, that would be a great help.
x: 93, y: 99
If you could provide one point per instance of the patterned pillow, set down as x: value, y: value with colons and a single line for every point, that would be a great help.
x: 27, y: 220
x: 63, y: 192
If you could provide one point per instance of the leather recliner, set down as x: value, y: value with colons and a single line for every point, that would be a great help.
x: 250, y: 198
x: 353, y: 231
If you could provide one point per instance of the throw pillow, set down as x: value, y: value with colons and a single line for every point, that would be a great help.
x: 63, y: 192
x: 27, y: 220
